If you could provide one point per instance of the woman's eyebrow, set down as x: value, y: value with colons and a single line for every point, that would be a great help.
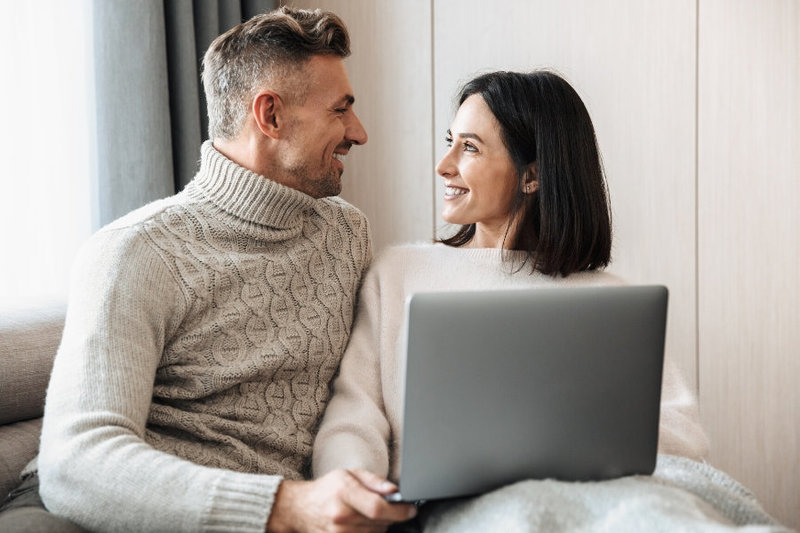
x: 467, y: 135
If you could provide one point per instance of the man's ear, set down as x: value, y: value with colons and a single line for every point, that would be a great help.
x: 531, y: 179
x: 268, y: 113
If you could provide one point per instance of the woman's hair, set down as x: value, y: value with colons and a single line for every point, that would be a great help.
x: 273, y: 47
x: 565, y: 225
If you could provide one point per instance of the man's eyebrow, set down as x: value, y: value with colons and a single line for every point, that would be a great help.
x: 347, y: 99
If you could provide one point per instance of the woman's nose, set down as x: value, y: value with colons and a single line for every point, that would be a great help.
x: 445, y: 167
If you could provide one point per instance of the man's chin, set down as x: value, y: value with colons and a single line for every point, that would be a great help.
x: 334, y: 185
x: 329, y: 188
x: 332, y: 192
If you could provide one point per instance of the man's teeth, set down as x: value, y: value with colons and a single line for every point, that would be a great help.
x: 339, y: 157
x: 454, y: 191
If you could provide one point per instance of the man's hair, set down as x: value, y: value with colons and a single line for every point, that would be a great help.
x: 566, y: 224
x: 271, y: 47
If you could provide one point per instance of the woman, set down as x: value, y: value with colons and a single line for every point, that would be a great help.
x: 524, y: 180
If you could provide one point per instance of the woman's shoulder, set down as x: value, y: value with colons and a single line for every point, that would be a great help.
x: 410, y: 261
x: 597, y: 277
x: 411, y: 249
x: 594, y: 277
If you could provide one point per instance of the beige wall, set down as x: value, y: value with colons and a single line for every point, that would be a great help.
x: 696, y: 105
x: 749, y: 243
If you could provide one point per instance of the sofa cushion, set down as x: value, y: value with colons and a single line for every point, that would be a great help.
x: 29, y: 339
x: 19, y: 443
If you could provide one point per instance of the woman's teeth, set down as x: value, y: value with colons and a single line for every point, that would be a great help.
x: 454, y: 191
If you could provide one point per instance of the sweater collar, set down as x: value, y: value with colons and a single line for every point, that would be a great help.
x: 247, y: 195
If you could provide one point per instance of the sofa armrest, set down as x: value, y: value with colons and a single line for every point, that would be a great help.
x: 29, y: 339
x: 19, y: 444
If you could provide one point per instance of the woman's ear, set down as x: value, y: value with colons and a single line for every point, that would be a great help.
x: 267, y: 112
x: 531, y: 179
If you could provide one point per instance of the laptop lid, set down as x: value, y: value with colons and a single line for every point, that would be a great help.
x: 501, y: 386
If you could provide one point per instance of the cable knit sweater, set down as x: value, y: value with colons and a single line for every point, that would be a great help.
x: 361, y: 426
x: 201, y: 336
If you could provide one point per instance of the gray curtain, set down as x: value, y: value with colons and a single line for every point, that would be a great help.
x: 150, y: 110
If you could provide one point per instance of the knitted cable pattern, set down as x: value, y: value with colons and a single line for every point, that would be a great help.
x: 246, y: 376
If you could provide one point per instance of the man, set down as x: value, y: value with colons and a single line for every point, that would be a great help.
x: 203, y: 329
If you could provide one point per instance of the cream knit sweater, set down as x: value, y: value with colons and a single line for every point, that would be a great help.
x: 361, y: 426
x: 201, y: 336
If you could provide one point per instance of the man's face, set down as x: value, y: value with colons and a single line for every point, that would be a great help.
x: 322, y: 129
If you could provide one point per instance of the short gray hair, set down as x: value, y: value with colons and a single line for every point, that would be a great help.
x: 269, y: 47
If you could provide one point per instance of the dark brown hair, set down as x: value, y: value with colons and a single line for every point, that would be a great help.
x: 566, y: 225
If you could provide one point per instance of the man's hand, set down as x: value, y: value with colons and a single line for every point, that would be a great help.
x: 342, y: 501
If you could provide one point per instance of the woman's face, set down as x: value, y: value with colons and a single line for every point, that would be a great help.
x: 480, y: 178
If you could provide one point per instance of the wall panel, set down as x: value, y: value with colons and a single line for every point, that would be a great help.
x: 634, y: 65
x: 391, y: 177
x: 749, y: 237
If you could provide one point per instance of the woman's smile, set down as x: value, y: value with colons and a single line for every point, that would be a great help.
x: 451, y: 192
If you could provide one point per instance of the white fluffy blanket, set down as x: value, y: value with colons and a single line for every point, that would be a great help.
x: 681, y: 495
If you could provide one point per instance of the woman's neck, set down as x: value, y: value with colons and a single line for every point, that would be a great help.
x: 500, y: 236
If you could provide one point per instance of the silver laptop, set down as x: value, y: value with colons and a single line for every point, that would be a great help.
x: 501, y: 386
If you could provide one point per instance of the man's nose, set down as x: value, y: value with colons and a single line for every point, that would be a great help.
x: 355, y: 132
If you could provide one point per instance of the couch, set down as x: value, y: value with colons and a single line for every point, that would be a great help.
x: 29, y: 338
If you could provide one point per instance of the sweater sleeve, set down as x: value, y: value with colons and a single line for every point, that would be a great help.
x: 95, y: 466
x: 355, y: 431
x: 680, y: 431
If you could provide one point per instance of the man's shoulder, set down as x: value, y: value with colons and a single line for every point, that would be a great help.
x: 335, y: 204
x: 347, y: 220
x: 143, y: 215
x: 131, y: 231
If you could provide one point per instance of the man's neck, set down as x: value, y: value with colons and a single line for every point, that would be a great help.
x: 240, y: 152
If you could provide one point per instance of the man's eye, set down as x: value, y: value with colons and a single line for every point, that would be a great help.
x: 341, y: 110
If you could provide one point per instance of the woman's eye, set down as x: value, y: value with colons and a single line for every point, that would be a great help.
x: 448, y: 141
x: 469, y: 147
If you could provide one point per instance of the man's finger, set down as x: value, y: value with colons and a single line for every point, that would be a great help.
x: 371, y: 504
x: 373, y: 481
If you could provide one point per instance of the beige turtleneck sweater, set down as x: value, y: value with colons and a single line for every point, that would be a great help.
x: 201, y: 336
